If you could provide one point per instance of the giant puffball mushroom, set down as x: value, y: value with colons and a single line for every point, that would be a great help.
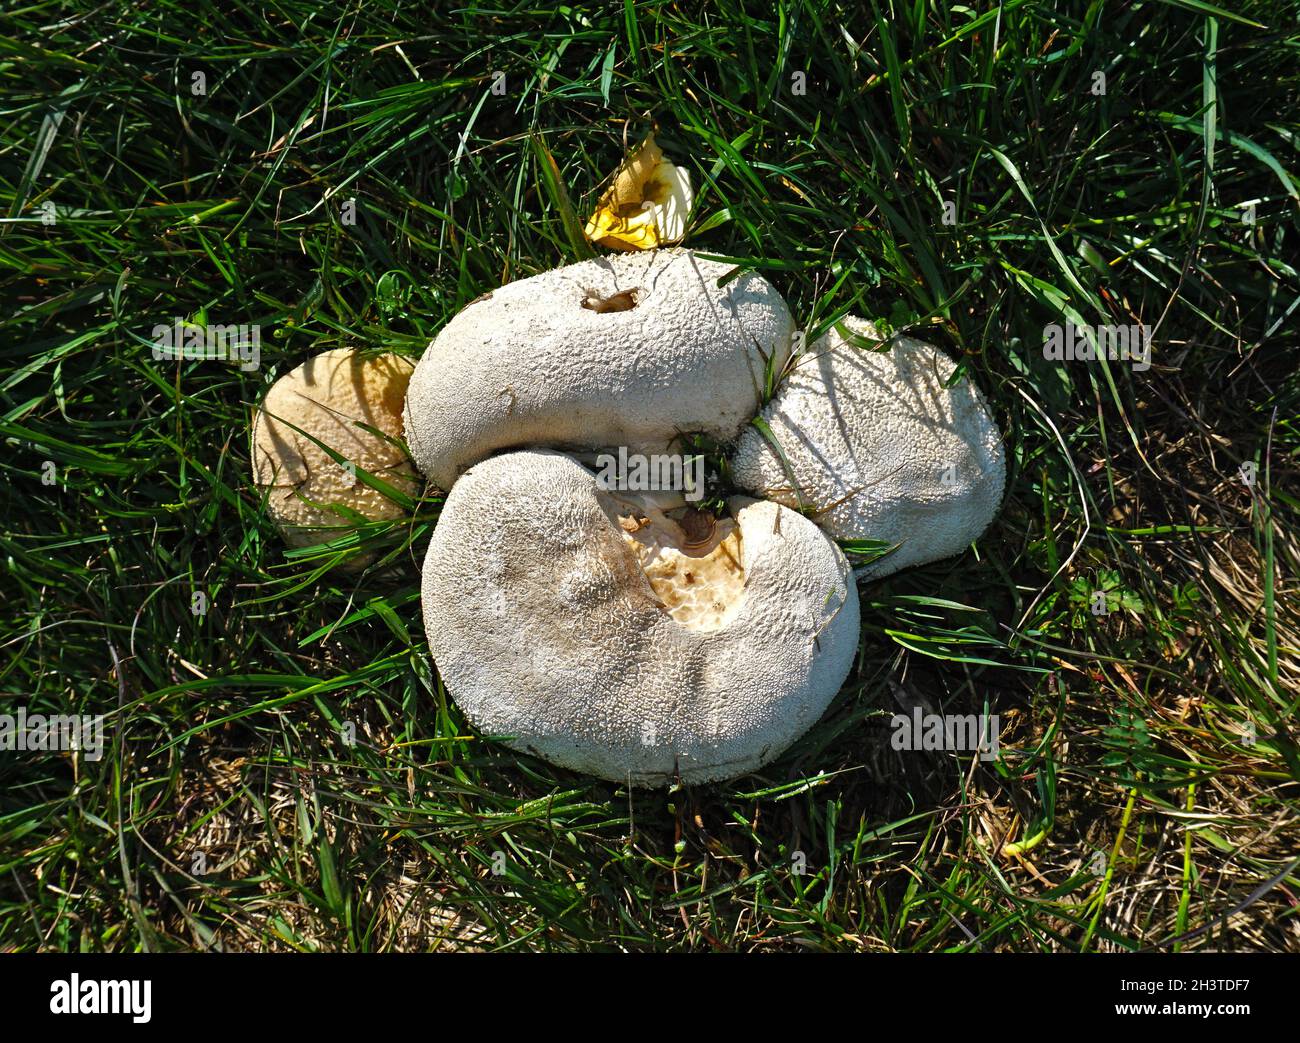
x: 879, y: 448
x: 603, y: 634
x: 630, y: 350
x: 333, y: 397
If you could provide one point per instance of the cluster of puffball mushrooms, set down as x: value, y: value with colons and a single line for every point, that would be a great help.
x: 626, y: 634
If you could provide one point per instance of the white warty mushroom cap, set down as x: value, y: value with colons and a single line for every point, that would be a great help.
x: 548, y: 632
x: 658, y: 349
x: 880, y: 449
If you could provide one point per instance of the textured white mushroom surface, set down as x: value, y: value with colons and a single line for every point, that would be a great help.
x: 629, y: 350
x: 879, y: 448
x: 594, y: 630
x: 333, y: 397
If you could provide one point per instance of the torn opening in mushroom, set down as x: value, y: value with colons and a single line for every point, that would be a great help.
x: 624, y: 301
x: 694, y: 563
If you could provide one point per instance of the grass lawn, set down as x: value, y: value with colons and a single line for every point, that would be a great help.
x: 283, y: 768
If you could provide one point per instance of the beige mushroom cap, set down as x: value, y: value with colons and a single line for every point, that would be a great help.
x: 628, y: 350
x: 330, y: 397
x: 880, y: 448
x: 593, y: 630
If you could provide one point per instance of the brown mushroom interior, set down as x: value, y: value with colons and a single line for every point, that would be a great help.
x: 692, y: 560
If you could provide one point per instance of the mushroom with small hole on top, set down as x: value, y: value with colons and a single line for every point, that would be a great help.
x: 351, y: 403
x: 630, y: 350
x: 875, y: 446
x: 604, y: 633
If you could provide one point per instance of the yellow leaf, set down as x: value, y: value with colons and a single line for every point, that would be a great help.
x: 646, y: 204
